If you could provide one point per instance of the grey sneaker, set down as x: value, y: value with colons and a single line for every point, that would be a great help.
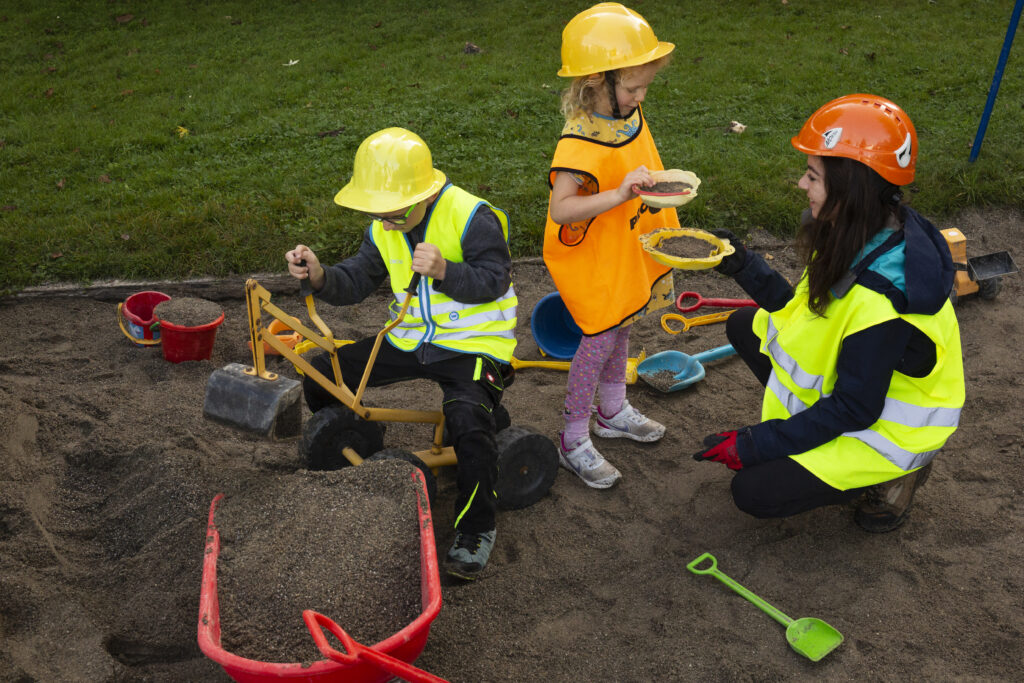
x: 628, y: 423
x: 469, y: 554
x: 588, y: 464
x: 885, y: 506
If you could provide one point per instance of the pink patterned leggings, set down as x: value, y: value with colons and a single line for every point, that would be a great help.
x: 599, y: 363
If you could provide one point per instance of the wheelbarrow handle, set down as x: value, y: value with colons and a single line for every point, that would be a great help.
x: 687, y: 323
x: 316, y: 622
x: 701, y: 301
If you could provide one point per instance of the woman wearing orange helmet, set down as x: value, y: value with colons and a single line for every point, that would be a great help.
x: 861, y: 362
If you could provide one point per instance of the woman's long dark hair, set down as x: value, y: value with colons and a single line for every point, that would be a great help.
x: 858, y: 204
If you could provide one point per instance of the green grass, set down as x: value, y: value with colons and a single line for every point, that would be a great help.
x: 97, y: 181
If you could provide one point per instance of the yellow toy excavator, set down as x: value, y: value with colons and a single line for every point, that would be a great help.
x: 981, y: 275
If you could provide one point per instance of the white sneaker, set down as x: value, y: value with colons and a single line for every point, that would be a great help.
x: 588, y: 464
x: 628, y: 423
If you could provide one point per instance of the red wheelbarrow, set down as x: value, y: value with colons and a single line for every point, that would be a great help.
x: 405, y: 646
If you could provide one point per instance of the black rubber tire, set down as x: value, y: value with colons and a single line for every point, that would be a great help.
x: 989, y: 288
x: 400, y: 454
x: 527, y: 465
x: 330, y: 430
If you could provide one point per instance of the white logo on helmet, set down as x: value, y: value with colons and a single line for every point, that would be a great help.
x: 832, y: 137
x: 904, y: 153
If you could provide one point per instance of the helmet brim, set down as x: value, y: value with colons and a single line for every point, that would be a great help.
x: 383, y: 201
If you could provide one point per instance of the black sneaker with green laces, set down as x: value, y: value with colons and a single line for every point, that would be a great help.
x: 469, y: 553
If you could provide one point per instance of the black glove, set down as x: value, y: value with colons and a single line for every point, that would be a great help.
x: 724, y: 447
x: 733, y: 263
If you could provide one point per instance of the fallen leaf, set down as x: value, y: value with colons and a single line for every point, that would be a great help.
x: 736, y: 127
x: 56, y: 255
x: 48, y: 93
x: 193, y: 66
x: 291, y: 62
x: 124, y: 18
x: 182, y: 131
x: 378, y: 24
x: 512, y: 114
x: 127, y: 92
x: 60, y: 184
x: 47, y: 56
x: 104, y: 178
x: 329, y: 133
x: 125, y: 236
x: 236, y: 22
x: 471, y: 49
x: 843, y: 51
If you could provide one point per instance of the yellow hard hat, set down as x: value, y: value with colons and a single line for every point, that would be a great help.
x: 392, y: 170
x: 608, y: 36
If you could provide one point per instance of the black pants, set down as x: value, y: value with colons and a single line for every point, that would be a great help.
x: 780, y: 487
x: 468, y: 407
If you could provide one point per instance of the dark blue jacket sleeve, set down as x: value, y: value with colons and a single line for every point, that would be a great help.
x: 864, y: 370
x: 763, y: 284
x: 355, y: 278
x: 486, y: 268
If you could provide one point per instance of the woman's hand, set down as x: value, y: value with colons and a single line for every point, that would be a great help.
x: 303, y: 264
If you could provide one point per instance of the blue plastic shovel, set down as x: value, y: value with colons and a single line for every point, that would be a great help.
x: 675, y: 370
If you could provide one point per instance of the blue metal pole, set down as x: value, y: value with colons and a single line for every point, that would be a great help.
x: 996, y: 79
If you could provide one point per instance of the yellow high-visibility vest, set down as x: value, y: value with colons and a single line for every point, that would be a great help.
x: 919, y: 415
x: 487, y: 328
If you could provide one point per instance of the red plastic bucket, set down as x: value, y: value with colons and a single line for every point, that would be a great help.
x: 188, y: 343
x: 137, y: 311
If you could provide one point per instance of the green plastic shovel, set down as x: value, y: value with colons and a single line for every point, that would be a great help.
x: 811, y: 637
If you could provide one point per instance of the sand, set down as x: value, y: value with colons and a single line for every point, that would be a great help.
x: 108, y: 469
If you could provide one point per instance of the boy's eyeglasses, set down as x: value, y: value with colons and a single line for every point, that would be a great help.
x: 394, y: 220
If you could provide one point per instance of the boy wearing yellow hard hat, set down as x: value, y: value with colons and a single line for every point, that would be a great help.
x: 459, y: 330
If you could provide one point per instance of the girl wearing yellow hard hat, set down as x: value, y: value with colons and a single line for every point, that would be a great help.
x: 861, y: 362
x: 604, y: 276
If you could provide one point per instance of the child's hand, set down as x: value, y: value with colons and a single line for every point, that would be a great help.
x: 303, y: 263
x: 639, y: 176
x: 427, y: 260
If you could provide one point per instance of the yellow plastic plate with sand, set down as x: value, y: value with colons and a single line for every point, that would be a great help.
x: 718, y: 248
x: 672, y: 197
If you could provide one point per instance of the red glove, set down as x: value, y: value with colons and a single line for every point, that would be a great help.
x: 721, y: 448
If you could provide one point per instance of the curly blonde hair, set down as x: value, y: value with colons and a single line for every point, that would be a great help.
x: 586, y: 91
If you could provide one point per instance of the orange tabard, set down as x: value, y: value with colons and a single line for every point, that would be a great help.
x: 603, y: 274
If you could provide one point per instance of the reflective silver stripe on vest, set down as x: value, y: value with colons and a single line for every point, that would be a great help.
x: 894, y: 410
x: 463, y: 328
x: 802, y: 379
x: 905, y: 460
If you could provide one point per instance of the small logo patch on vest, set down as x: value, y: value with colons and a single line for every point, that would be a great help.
x: 454, y: 315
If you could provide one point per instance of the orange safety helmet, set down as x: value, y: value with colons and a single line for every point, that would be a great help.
x: 866, y: 128
x: 608, y: 36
